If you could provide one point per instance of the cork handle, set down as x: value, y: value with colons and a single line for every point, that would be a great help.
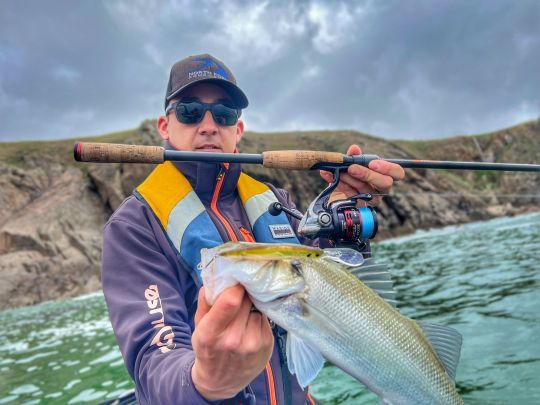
x: 299, y: 159
x: 117, y: 153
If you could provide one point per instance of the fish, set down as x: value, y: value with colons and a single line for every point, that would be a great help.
x: 338, y: 306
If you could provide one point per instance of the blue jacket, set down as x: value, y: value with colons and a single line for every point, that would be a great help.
x: 145, y: 286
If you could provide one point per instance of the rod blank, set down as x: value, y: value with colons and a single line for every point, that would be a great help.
x: 458, y: 165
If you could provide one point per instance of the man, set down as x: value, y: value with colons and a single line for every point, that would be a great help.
x: 176, y: 348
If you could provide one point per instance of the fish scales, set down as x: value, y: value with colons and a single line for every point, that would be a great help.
x: 354, y: 328
x: 375, y: 335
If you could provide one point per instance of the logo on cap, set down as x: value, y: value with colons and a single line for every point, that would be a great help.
x: 207, y: 63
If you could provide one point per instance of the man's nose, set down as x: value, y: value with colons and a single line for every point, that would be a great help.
x: 208, y: 125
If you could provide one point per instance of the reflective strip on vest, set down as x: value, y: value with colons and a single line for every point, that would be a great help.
x: 186, y: 222
x: 257, y: 197
x: 190, y: 229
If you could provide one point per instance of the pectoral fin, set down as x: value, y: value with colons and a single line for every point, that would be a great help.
x: 303, y: 361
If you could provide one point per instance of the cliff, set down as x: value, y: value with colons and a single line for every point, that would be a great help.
x: 52, y: 209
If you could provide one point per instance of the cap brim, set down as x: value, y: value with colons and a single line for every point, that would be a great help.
x: 237, y: 95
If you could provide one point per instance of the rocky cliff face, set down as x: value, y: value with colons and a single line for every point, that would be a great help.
x: 52, y: 210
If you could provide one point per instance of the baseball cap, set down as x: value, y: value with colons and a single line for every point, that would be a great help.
x: 203, y: 68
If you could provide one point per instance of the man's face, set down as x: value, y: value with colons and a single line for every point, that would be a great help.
x: 206, y: 136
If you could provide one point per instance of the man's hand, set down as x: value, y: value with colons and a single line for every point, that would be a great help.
x: 377, y: 179
x: 232, y: 344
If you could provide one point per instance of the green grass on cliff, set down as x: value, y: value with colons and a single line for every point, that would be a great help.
x: 517, y: 144
x: 520, y: 144
x: 18, y: 153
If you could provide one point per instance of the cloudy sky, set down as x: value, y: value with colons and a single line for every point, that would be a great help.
x: 397, y: 69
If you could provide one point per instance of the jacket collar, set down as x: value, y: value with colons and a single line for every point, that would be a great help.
x: 203, y: 177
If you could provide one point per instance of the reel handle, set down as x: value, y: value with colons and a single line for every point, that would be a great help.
x: 277, y: 208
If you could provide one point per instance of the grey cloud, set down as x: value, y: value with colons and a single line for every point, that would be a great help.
x: 415, y: 69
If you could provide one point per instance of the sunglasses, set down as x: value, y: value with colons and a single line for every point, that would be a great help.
x: 192, y: 112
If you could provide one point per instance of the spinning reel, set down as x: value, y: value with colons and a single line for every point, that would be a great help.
x: 340, y: 221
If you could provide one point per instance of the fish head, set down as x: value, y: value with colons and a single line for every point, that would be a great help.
x: 267, y: 271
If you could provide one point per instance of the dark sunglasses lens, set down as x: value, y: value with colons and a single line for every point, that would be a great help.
x: 189, y: 113
x: 224, y: 115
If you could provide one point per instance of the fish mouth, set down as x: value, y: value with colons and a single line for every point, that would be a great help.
x: 276, y: 295
x: 259, y: 303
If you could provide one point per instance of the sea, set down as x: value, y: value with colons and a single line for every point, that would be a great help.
x: 483, y: 279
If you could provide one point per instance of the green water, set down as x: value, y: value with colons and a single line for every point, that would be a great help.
x: 482, y: 278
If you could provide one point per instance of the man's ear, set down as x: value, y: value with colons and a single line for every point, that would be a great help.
x: 239, y: 130
x: 163, y: 127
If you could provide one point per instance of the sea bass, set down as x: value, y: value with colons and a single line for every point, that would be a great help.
x: 337, y: 306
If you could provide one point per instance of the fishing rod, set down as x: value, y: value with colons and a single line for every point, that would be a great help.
x: 283, y: 159
x: 339, y: 220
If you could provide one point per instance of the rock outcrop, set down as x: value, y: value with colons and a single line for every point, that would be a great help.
x: 52, y: 210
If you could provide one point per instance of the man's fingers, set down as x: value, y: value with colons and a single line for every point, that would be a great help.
x: 354, y: 150
x: 361, y: 174
x: 382, y: 167
x: 342, y: 192
x: 257, y: 333
x: 326, y: 176
x: 242, y: 317
x: 237, y: 328
x: 379, y: 177
x: 224, y: 310
x: 202, y: 306
x: 390, y: 169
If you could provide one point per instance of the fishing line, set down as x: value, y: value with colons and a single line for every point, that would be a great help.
x: 483, y: 195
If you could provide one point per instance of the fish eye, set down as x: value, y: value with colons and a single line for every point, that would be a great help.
x: 296, y: 268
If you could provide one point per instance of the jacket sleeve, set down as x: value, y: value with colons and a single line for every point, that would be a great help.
x: 147, y: 307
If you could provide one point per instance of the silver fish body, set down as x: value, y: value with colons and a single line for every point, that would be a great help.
x: 320, y: 302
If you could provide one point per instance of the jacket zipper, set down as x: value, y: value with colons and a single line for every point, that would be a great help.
x: 246, y: 234
x: 249, y: 238
x: 214, y: 207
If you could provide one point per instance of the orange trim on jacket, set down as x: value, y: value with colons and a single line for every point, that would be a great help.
x: 214, y: 208
x: 271, y: 385
x: 249, y: 238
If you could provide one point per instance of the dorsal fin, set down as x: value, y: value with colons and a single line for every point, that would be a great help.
x: 377, y: 277
x: 446, y: 342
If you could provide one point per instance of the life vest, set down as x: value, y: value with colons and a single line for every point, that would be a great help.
x: 187, y: 224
